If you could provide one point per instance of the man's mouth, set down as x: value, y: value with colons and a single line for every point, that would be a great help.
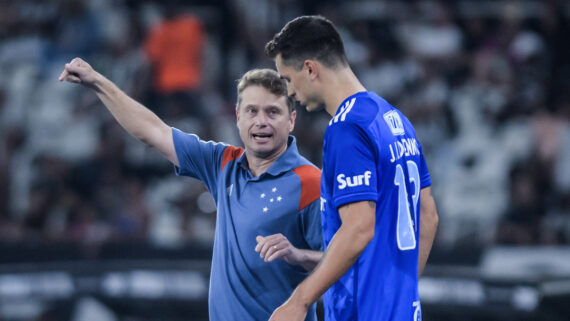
x: 261, y: 136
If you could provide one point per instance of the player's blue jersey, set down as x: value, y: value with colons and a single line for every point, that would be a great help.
x: 371, y: 152
x: 284, y: 199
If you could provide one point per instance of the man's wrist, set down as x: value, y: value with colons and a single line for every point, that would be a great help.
x: 98, y: 82
x: 296, y: 257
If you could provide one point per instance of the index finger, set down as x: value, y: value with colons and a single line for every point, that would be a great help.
x: 259, y: 239
x: 64, y: 74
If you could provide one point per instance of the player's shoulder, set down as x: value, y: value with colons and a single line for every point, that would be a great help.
x: 359, y: 109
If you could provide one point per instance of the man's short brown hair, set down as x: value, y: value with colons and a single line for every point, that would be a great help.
x: 268, y: 79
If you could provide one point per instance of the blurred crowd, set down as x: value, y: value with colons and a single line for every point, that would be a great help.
x: 486, y: 84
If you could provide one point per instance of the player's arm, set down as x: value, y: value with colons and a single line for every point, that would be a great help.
x: 133, y: 117
x: 354, y: 234
x: 277, y: 246
x: 428, y: 226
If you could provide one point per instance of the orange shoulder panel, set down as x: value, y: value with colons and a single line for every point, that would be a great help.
x: 231, y: 153
x: 310, y: 184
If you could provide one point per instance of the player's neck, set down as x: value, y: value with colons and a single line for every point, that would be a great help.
x: 340, y: 85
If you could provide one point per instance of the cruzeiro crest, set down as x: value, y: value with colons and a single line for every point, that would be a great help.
x: 269, y: 199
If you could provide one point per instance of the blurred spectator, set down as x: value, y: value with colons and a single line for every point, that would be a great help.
x: 561, y: 150
x: 175, y: 49
x: 526, y: 206
x: 131, y: 221
x: 435, y: 36
x: 77, y: 31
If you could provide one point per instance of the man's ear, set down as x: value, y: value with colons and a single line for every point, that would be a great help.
x: 312, y: 68
x: 292, y: 120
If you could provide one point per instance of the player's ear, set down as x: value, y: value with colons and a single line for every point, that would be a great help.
x: 312, y: 68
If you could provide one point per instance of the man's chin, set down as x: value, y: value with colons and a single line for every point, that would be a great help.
x: 263, y: 152
x: 262, y: 149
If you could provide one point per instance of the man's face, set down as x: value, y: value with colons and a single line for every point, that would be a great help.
x: 299, y: 85
x: 264, y: 122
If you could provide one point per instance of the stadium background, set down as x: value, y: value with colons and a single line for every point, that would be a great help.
x: 95, y: 226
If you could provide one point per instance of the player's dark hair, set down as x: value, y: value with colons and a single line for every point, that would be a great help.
x: 268, y: 79
x: 308, y: 37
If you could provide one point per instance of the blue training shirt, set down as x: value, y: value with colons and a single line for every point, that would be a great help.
x: 284, y: 199
x: 371, y: 152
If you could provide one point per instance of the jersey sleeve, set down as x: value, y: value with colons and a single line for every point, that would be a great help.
x: 425, y: 179
x: 197, y: 158
x: 351, y: 156
x: 311, y: 225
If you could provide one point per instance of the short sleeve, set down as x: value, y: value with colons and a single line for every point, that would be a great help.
x: 425, y: 179
x: 197, y: 158
x: 351, y: 159
x: 311, y: 226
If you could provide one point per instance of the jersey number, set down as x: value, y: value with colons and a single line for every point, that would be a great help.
x: 407, y: 221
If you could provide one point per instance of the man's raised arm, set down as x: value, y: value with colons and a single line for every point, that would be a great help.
x: 135, y: 118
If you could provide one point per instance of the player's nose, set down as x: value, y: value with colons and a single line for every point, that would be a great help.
x: 290, y: 91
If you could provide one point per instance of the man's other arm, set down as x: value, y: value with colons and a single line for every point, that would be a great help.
x: 277, y: 246
x: 131, y: 115
x: 428, y: 226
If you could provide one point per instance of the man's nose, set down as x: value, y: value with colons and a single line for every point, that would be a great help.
x: 260, y: 120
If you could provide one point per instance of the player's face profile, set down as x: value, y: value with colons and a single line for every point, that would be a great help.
x: 291, y: 76
x: 298, y: 85
x: 264, y: 121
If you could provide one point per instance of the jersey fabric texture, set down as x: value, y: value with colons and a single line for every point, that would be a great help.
x: 284, y: 199
x: 370, y: 153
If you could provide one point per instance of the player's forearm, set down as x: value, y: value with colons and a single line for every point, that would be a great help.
x: 344, y: 249
x: 428, y: 228
x: 131, y: 115
x: 429, y: 221
x: 309, y: 259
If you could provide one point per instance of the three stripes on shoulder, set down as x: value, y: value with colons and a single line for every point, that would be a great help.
x: 344, y: 110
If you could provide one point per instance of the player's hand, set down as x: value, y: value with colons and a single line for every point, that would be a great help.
x: 289, y: 311
x: 277, y: 246
x: 78, y: 71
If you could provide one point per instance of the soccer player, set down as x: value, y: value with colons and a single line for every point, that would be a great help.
x: 374, y: 186
x: 267, y: 195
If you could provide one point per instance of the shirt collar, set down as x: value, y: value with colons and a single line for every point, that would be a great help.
x: 287, y: 161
